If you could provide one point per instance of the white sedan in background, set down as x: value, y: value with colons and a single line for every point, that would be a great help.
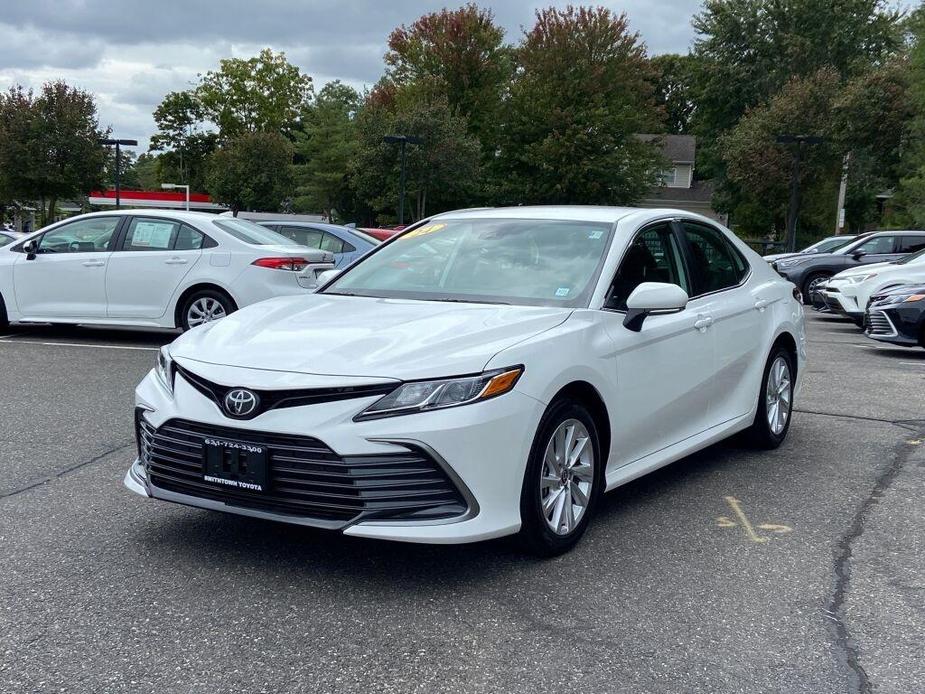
x: 484, y: 373
x: 150, y: 268
x: 849, y: 291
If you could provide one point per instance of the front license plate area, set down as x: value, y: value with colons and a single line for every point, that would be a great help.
x: 235, y: 464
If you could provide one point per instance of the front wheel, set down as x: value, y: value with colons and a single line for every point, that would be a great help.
x: 204, y: 307
x: 563, y: 481
x: 775, y: 402
x: 811, y: 283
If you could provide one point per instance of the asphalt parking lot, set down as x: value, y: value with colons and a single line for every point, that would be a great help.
x: 799, y: 570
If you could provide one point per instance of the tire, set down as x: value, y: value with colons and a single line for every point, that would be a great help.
x: 761, y: 434
x: 4, y: 319
x: 204, y: 306
x: 809, y: 281
x: 537, y: 534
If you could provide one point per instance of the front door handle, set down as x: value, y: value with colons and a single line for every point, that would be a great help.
x: 703, y: 322
x: 176, y: 261
x: 94, y: 263
x: 762, y: 304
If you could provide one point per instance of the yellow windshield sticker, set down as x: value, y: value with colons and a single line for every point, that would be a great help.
x: 424, y: 230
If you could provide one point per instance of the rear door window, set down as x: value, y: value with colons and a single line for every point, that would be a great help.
x: 146, y: 234
x: 304, y: 236
x: 910, y: 244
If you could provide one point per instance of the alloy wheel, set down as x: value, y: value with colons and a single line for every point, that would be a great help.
x: 567, y: 476
x: 204, y: 310
x: 778, y: 394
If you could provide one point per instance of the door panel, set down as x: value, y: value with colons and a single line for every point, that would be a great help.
x: 664, y: 371
x: 664, y: 375
x: 67, y: 277
x: 143, y: 274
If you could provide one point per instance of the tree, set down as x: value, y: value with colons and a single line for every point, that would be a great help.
x: 325, y: 148
x: 146, y: 168
x: 183, y: 140
x: 910, y: 198
x: 581, y: 92
x: 49, y: 144
x: 265, y: 93
x: 461, y: 54
x: 251, y: 172
x: 760, y: 169
x: 749, y: 49
x: 441, y: 172
x: 674, y: 90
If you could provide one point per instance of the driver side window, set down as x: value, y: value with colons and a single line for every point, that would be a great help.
x: 653, y: 256
x: 878, y: 244
x: 85, y: 236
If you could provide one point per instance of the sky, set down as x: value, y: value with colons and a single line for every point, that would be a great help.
x: 130, y: 53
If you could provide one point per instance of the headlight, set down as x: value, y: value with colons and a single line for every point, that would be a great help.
x: 906, y: 298
x: 857, y: 279
x: 163, y: 368
x: 421, y: 396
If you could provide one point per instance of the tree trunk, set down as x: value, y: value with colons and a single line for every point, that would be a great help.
x: 52, y: 203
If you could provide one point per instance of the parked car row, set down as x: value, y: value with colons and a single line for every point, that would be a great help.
x: 881, y: 286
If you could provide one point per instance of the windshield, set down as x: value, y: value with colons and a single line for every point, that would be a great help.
x: 828, y: 245
x: 5, y: 240
x: 914, y: 258
x: 510, y: 261
x: 251, y: 233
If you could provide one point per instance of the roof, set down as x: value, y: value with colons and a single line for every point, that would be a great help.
x: 278, y: 217
x: 585, y: 213
x: 699, y: 191
x: 680, y: 149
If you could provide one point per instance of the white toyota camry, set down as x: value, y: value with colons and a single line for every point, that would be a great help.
x: 150, y: 268
x: 484, y: 373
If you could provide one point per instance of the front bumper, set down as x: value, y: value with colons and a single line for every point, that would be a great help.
x: 842, y: 300
x: 483, y: 447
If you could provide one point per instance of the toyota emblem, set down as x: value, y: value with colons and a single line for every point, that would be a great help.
x: 241, y: 402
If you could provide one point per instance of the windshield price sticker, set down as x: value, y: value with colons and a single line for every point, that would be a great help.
x: 424, y: 230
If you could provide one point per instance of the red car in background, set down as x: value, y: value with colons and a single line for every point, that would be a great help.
x: 382, y: 234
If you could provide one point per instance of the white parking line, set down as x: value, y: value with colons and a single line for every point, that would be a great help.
x: 912, y: 363
x: 80, y: 344
x: 888, y: 349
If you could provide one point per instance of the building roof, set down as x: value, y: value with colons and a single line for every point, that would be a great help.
x: 699, y: 191
x: 679, y: 149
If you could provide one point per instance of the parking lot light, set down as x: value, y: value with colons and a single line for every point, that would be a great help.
x: 175, y: 186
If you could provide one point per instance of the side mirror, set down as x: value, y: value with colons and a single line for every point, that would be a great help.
x: 857, y: 255
x: 653, y: 298
x: 29, y: 248
x: 327, y: 276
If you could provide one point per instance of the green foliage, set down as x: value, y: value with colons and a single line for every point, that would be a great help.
x: 461, y: 53
x: 674, y: 91
x: 146, y: 168
x: 251, y: 172
x: 581, y: 91
x: 265, y: 93
x: 49, y: 144
x: 910, y: 198
x: 326, y: 147
x: 441, y: 173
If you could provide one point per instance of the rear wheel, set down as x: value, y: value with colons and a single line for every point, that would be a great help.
x: 204, y: 307
x: 775, y: 401
x: 811, y: 282
x: 4, y: 319
x: 563, y: 481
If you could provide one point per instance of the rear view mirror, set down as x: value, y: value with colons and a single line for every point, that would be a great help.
x: 653, y: 298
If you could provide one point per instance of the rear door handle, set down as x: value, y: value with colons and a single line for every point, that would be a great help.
x: 762, y: 304
x: 94, y: 263
x: 176, y: 261
x: 703, y: 322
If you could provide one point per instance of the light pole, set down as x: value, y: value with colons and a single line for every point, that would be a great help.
x: 117, y: 143
x: 404, y: 140
x: 793, y: 208
x: 175, y: 186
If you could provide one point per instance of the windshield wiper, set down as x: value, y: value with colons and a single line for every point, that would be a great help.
x: 453, y: 300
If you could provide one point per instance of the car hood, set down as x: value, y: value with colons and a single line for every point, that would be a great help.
x: 863, y: 270
x: 780, y: 256
x: 365, y: 337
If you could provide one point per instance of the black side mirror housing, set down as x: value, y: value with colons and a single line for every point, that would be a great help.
x: 29, y: 248
x: 857, y: 255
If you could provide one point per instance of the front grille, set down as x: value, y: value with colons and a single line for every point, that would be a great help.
x: 306, y: 478
x: 878, y: 323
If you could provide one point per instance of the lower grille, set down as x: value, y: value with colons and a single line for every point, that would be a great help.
x: 306, y: 478
x: 878, y: 323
